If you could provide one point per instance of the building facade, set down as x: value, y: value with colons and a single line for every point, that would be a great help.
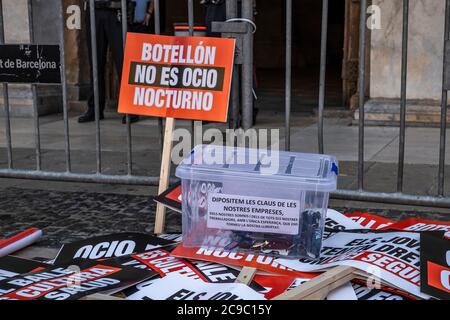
x: 384, y: 46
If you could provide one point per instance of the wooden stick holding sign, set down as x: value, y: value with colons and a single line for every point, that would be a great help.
x: 164, y: 176
x: 176, y: 78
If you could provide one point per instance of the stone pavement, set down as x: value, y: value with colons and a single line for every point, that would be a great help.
x: 70, y: 216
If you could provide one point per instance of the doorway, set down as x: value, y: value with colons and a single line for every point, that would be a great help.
x: 306, y: 35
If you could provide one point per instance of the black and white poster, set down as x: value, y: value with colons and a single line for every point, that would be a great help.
x: 392, y: 257
x: 171, y: 198
x: 71, y: 282
x: 12, y: 266
x: 162, y: 262
x: 364, y: 292
x: 181, y: 288
x: 110, y: 246
x: 435, y: 265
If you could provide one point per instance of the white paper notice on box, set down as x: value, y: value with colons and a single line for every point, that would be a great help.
x: 268, y: 202
x: 253, y: 214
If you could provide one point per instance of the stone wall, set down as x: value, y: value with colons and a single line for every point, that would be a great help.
x: 426, y: 34
x: 17, y: 30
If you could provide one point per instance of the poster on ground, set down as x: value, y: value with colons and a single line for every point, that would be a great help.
x: 71, y: 282
x: 391, y: 256
x: 162, y: 262
x: 364, y: 292
x: 11, y: 266
x: 171, y: 198
x: 335, y: 222
x: 369, y: 221
x: 177, y: 287
x: 421, y: 225
x: 435, y: 265
x: 109, y: 246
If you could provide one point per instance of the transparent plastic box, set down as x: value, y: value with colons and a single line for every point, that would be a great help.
x: 267, y: 202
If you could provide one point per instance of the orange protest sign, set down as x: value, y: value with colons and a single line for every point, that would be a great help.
x: 177, y: 77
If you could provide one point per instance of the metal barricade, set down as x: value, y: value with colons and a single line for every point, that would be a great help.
x: 361, y: 195
x: 242, y: 90
x: 69, y: 175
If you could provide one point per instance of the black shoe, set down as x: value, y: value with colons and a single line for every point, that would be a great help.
x: 88, y: 117
x: 255, y: 115
x: 133, y: 119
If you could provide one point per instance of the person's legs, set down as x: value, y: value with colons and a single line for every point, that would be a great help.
x: 137, y: 28
x: 102, y: 47
x: 140, y: 28
x: 115, y: 40
x: 214, y: 12
x: 89, y: 115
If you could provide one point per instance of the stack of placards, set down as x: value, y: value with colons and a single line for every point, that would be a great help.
x: 405, y: 262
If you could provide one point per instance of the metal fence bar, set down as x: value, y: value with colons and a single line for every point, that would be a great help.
x: 81, y: 177
x: 404, y: 73
x: 392, y: 198
x: 6, y: 100
x: 191, y: 17
x: 247, y: 68
x: 127, y: 117
x: 7, y: 125
x: 362, y: 87
x: 157, y: 15
x: 323, y: 70
x: 64, y: 89
x: 444, y: 106
x: 191, y: 34
x: 232, y: 13
x: 288, y: 80
x: 37, y: 134
x: 95, y: 84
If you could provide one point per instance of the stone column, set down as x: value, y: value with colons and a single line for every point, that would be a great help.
x: 46, y: 26
x: 425, y: 61
x: 77, y: 60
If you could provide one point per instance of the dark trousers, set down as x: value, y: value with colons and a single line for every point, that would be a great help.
x: 140, y: 28
x: 214, y: 12
x: 109, y: 33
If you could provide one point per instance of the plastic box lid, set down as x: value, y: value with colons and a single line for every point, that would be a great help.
x: 305, y: 171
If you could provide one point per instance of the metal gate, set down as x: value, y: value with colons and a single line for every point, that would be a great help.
x: 242, y: 90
